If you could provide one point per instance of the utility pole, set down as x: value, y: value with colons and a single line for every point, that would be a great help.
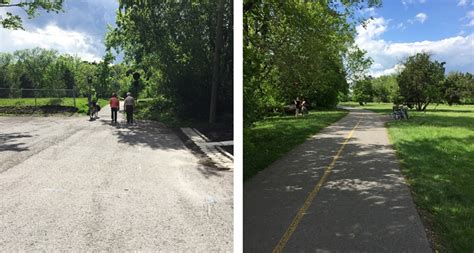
x: 215, y: 70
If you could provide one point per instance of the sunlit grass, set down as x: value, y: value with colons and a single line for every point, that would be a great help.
x: 81, y: 103
x: 272, y: 137
x: 436, y: 149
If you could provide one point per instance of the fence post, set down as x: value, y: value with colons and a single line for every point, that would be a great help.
x: 36, y: 95
x: 74, y: 97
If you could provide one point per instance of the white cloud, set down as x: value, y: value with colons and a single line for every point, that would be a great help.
x: 465, y: 2
x: 406, y: 2
x: 470, y: 14
x: 52, y: 37
x: 421, y: 17
x: 401, y: 26
x: 457, y: 52
x: 370, y: 11
x: 471, y: 23
x: 470, y: 17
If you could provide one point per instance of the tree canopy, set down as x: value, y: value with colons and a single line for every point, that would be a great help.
x: 173, y: 44
x: 299, y: 48
x: 420, y: 81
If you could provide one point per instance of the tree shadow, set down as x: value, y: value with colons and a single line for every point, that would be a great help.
x: 451, y: 110
x: 435, y: 120
x: 146, y: 133
x: 158, y: 136
x: 10, y: 142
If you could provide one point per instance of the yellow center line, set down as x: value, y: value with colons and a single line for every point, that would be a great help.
x: 309, y: 200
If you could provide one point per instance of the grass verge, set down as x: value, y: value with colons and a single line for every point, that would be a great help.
x: 436, y: 150
x: 271, y: 138
x: 28, y: 103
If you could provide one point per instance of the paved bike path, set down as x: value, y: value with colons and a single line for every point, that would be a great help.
x: 363, y: 206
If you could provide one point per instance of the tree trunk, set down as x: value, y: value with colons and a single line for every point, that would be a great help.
x: 215, y: 71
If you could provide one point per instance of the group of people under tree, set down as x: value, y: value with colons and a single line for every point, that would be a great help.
x: 301, y: 106
x: 114, y: 102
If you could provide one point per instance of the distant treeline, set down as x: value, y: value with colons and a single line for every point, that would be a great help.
x: 420, y: 82
x: 48, y: 70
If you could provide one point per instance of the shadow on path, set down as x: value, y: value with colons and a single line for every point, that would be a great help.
x: 9, y: 142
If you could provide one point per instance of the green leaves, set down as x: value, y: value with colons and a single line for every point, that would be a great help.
x: 31, y: 8
x: 11, y: 22
x: 420, y: 80
x: 298, y: 48
x: 174, y: 42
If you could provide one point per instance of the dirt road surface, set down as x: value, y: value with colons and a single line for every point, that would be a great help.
x: 67, y: 183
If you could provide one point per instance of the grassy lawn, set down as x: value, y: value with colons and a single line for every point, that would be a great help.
x: 272, y: 137
x: 81, y: 103
x: 436, y: 150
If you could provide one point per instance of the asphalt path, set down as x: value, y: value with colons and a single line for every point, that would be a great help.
x: 67, y: 183
x: 340, y: 191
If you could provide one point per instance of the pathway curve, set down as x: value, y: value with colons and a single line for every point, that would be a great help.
x: 362, y: 205
x: 70, y: 184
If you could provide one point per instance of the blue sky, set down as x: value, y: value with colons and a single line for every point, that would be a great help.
x: 399, y: 28
x: 79, y: 30
x: 444, y: 28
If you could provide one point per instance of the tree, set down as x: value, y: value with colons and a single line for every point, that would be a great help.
x: 420, y: 80
x: 6, y: 60
x: 457, y: 87
x: 297, y: 48
x: 12, y: 21
x: 385, y: 89
x: 215, y: 69
x: 174, y: 44
x: 363, y: 91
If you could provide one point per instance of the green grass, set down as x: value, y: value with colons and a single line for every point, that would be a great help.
x: 272, y: 137
x: 81, y: 103
x: 436, y: 150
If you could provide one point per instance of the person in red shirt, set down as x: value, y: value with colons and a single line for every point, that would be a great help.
x: 114, y: 106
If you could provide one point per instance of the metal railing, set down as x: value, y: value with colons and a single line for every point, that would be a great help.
x: 14, y: 93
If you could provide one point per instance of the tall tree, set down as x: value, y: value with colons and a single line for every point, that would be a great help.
x: 298, y: 48
x: 215, y: 69
x: 457, y: 87
x: 176, y: 40
x: 363, y: 91
x: 420, y: 81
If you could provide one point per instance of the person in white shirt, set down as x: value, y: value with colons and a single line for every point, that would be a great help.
x: 129, y: 104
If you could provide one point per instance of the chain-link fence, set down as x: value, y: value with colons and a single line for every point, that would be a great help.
x: 37, y: 97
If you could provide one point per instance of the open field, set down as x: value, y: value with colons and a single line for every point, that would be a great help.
x: 436, y: 150
x: 272, y: 137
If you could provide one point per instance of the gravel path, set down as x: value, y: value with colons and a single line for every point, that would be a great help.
x: 67, y: 183
x: 362, y: 204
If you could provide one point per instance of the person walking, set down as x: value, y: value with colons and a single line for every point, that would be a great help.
x: 129, y: 104
x: 114, y: 106
x: 297, y: 106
